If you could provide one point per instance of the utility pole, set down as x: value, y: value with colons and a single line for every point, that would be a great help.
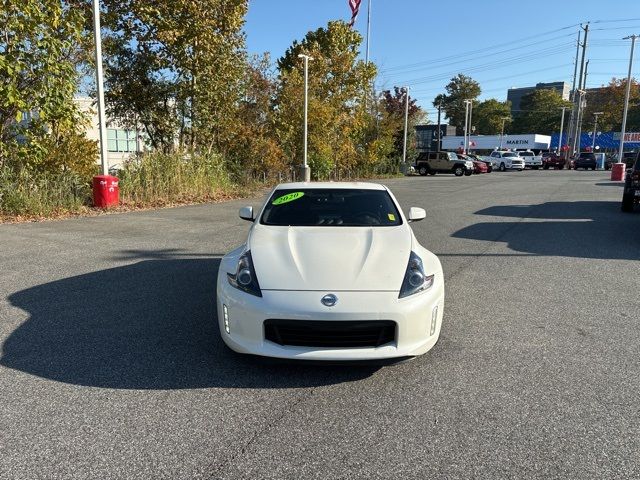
x: 560, y: 137
x: 573, y: 95
x: 595, y: 129
x: 583, y: 104
x: 470, y: 124
x: 439, y: 128
x: 306, y: 171
x: 578, y: 106
x: 102, y: 123
x: 626, y: 98
x: 504, y: 119
x: 466, y: 121
x: 406, y: 125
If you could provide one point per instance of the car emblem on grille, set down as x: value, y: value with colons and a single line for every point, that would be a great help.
x: 329, y: 300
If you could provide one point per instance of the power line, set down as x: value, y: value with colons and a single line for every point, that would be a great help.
x: 521, y: 74
x: 488, y: 66
x: 461, y: 59
x: 484, y: 49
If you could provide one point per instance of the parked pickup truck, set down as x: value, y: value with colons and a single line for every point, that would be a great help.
x: 506, y: 160
x: 552, y: 160
x: 531, y: 160
x: 442, y: 162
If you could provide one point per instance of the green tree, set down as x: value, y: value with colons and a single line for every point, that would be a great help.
x: 38, y: 58
x: 610, y: 101
x: 540, y: 112
x: 460, y: 88
x: 394, y: 106
x: 338, y: 84
x: 177, y: 67
x: 488, y: 116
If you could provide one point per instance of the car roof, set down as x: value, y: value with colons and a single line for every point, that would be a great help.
x: 330, y: 185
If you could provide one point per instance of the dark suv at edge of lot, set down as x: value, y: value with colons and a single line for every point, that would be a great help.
x: 631, y: 192
x: 586, y: 160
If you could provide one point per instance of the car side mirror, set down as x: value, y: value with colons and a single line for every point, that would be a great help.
x: 246, y: 213
x: 416, y: 214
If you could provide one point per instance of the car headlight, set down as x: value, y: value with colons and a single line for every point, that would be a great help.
x: 469, y: 164
x: 245, y: 278
x: 415, y: 280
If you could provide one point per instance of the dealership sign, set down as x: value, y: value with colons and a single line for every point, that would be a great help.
x: 492, y: 142
x: 628, y: 137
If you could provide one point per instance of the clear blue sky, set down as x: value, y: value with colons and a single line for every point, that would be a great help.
x: 500, y: 43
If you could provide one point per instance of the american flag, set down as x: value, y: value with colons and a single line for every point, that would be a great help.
x: 355, y: 7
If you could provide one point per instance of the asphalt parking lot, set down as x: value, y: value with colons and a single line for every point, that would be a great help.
x: 111, y: 365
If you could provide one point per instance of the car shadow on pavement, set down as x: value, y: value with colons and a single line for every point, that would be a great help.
x: 146, y: 325
x: 585, y: 229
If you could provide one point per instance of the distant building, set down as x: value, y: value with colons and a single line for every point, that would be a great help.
x: 514, y: 95
x: 121, y: 143
x: 487, y: 143
x: 427, y: 136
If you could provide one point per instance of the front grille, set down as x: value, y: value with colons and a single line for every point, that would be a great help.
x: 340, y: 334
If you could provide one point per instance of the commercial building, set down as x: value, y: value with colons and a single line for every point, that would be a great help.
x: 427, y: 136
x: 122, y: 143
x: 515, y: 95
x: 531, y: 141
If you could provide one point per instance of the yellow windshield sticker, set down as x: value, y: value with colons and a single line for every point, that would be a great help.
x: 391, y: 216
x: 290, y: 197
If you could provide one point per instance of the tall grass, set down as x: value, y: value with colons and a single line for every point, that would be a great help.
x: 159, y: 179
x: 26, y: 192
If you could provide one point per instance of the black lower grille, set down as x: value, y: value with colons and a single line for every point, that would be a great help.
x: 313, y: 333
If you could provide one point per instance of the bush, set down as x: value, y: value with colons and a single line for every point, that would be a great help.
x: 26, y: 192
x: 159, y: 178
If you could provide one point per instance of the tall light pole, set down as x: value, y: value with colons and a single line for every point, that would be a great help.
x: 560, y: 137
x: 470, y: 124
x: 102, y: 124
x: 626, y: 97
x: 577, y: 140
x: 406, y: 125
x: 504, y: 119
x: 595, y: 128
x: 305, y: 166
x: 439, y: 127
x: 466, y: 122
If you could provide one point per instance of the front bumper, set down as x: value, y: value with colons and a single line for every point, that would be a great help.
x: 413, y: 317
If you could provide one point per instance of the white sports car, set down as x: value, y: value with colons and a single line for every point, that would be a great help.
x: 331, y: 271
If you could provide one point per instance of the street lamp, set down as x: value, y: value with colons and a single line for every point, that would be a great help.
x: 561, y: 125
x: 626, y: 97
x: 466, y: 122
x: 305, y: 166
x: 406, y: 124
x: 102, y: 125
x: 504, y: 119
x: 595, y: 129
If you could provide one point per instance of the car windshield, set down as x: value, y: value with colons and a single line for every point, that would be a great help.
x: 510, y: 155
x: 331, y: 207
x: 526, y: 154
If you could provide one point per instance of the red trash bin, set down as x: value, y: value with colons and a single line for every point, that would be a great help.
x: 617, y: 171
x: 106, y: 192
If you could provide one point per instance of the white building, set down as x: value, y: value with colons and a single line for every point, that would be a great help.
x: 121, y: 143
x: 531, y: 141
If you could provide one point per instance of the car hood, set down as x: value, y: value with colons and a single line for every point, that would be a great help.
x: 330, y: 258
